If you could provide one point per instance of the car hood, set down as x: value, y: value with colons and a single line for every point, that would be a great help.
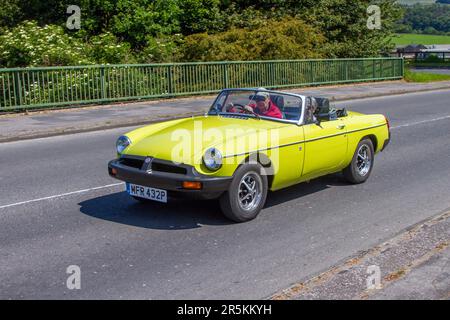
x: 186, y: 140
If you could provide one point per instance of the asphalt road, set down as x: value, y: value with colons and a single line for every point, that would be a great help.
x: 186, y: 249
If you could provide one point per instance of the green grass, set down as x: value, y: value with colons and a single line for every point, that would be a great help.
x: 405, y: 39
x: 411, y: 2
x: 424, y: 77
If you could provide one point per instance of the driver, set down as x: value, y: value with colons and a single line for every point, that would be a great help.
x: 263, y: 105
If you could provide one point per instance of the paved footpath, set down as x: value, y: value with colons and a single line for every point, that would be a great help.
x: 55, y: 122
x: 413, y: 265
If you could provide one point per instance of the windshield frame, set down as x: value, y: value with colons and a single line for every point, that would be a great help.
x: 214, y: 112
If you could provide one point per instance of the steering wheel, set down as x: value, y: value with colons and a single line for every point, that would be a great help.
x: 238, y: 106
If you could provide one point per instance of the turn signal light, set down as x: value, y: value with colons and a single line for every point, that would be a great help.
x: 192, y: 185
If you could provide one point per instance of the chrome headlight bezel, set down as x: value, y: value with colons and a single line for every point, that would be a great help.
x: 212, y: 159
x: 122, y: 143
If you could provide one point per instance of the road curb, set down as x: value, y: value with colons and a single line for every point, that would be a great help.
x: 143, y: 121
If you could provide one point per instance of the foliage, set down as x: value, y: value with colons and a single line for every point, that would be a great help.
x: 425, y: 18
x: 105, y: 48
x: 345, y: 26
x: 127, y: 31
x: 164, y: 49
x: 200, y: 16
x: 30, y: 45
x: 9, y: 13
x: 287, y: 39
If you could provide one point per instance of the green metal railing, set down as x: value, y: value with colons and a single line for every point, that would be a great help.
x: 26, y: 88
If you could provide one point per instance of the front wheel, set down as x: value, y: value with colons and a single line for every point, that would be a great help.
x: 358, y: 171
x: 246, y: 195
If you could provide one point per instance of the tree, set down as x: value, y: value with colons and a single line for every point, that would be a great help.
x: 344, y: 24
x: 287, y: 39
x: 200, y: 16
x: 427, y: 18
x: 9, y: 13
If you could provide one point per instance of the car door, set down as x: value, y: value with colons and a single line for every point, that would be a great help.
x: 325, y: 147
x: 288, y: 157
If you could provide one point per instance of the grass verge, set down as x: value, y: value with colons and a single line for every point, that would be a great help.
x: 411, y: 76
x: 405, y: 39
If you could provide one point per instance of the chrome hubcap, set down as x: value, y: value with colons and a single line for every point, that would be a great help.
x: 250, y: 191
x: 363, y: 161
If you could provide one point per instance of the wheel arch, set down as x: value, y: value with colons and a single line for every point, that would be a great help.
x: 374, y: 140
x: 263, y: 160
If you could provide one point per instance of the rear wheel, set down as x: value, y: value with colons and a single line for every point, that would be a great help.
x: 246, y: 195
x: 358, y: 171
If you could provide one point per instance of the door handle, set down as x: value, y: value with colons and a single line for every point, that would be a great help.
x: 341, y: 126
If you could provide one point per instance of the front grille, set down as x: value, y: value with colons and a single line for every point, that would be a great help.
x: 163, y: 167
x: 130, y: 162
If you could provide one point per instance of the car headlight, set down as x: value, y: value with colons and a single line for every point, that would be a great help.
x: 122, y: 143
x: 212, y: 159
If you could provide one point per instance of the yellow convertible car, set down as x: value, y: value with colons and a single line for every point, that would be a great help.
x: 251, y: 141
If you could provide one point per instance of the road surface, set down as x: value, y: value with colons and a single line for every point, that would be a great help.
x: 58, y: 207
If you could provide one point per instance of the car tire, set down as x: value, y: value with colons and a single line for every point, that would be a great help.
x: 246, y: 194
x: 358, y: 171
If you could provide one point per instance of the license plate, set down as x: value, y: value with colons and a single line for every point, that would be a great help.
x: 147, y: 192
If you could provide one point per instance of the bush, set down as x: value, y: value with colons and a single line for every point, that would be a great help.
x: 164, y: 49
x: 433, y: 58
x: 30, y: 45
x: 106, y: 48
x: 287, y: 39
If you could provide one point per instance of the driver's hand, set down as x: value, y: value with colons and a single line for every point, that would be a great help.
x: 229, y: 107
x: 248, y: 108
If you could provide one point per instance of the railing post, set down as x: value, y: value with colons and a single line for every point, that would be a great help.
x: 225, y: 75
x: 374, y: 71
x: 17, y: 89
x: 170, y: 80
x: 403, y: 66
x: 346, y: 62
x: 102, y: 82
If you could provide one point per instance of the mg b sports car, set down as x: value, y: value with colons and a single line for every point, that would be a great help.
x: 251, y: 141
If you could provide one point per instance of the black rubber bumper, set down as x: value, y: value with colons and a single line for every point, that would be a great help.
x: 167, y: 180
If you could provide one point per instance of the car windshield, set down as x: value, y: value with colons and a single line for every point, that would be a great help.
x: 258, y: 103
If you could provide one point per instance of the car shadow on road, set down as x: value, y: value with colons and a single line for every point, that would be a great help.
x: 177, y: 214
x: 180, y: 214
x: 303, y: 189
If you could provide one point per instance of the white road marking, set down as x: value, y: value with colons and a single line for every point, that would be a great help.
x: 61, y: 195
x: 420, y: 122
x: 121, y: 183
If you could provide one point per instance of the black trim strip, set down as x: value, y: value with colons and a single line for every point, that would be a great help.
x: 265, y: 149
x: 304, y: 141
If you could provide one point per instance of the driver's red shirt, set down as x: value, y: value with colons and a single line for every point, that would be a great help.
x: 272, y: 111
